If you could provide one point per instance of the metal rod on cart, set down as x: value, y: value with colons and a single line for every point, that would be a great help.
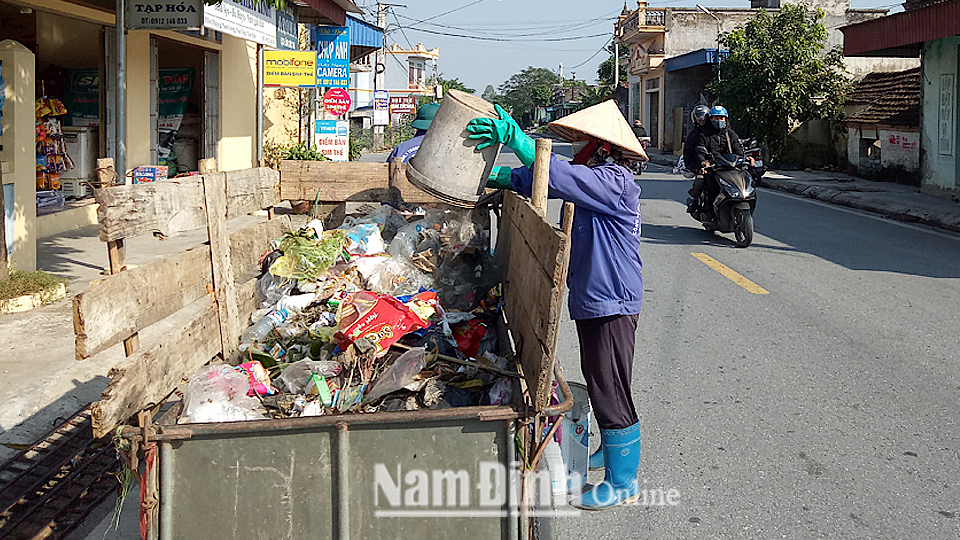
x: 541, y: 175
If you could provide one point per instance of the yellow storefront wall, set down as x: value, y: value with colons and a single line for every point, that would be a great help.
x: 237, y: 128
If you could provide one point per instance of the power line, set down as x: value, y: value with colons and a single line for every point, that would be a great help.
x: 594, y: 54
x: 449, y: 12
x: 540, y: 31
x: 483, y: 38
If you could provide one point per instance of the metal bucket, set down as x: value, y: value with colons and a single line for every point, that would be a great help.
x: 447, y: 165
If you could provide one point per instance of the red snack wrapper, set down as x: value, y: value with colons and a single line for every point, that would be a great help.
x: 382, y: 319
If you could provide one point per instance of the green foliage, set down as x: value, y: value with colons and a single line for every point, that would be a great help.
x: 532, y: 87
x: 454, y: 84
x: 21, y: 283
x: 490, y: 94
x: 779, y: 73
x: 358, y: 142
x: 605, y: 71
x: 302, y: 152
x: 596, y: 95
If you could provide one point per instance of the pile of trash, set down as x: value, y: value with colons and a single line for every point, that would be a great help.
x: 386, y: 312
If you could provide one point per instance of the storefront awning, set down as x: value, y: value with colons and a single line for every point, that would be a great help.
x: 326, y: 11
x: 696, y: 58
x: 902, y: 34
x: 364, y: 37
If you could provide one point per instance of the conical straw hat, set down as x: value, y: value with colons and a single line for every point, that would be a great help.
x: 603, y: 121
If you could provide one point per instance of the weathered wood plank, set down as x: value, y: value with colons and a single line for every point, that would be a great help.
x: 353, y: 181
x: 215, y: 195
x: 148, y: 375
x: 534, y: 254
x: 142, y: 380
x: 116, y: 307
x: 176, y: 205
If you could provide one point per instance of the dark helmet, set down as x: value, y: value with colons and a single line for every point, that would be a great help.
x: 699, y: 114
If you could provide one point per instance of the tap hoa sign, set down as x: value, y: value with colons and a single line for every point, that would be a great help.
x: 289, y: 68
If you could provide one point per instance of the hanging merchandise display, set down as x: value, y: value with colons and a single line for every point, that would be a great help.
x: 52, y: 158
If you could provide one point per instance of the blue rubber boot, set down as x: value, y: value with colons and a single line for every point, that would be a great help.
x: 621, y: 454
x: 595, y: 463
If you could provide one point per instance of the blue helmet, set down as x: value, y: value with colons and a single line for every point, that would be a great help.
x: 718, y: 110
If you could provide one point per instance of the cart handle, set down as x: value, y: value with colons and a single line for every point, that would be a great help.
x: 560, y: 408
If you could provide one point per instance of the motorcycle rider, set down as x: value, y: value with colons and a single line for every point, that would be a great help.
x: 691, y: 157
x: 720, y: 139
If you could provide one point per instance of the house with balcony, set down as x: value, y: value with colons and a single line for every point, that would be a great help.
x: 675, y: 52
x: 410, y: 71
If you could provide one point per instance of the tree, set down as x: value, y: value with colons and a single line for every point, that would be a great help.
x: 605, y: 70
x: 454, y: 84
x: 490, y: 93
x: 779, y: 73
x: 532, y: 87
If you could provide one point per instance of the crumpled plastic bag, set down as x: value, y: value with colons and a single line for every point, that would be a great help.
x: 297, y: 375
x: 272, y: 288
x: 364, y: 239
x: 218, y: 393
x: 392, y: 275
x: 401, y: 373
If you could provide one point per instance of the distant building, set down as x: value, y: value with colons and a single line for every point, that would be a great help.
x: 673, y: 53
x: 884, y: 127
x: 929, y: 30
x: 410, y: 71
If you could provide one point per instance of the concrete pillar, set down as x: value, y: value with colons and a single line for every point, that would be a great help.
x: 18, y: 157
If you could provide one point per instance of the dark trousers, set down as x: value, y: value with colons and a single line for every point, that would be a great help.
x: 606, y: 359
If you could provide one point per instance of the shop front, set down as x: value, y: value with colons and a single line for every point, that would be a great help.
x: 63, y: 77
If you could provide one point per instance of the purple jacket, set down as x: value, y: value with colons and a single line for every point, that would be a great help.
x: 604, y: 277
x: 407, y: 149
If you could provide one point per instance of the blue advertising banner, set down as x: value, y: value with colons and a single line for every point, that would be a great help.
x: 287, y: 30
x: 333, y: 56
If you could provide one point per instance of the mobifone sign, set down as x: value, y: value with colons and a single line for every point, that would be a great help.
x: 289, y: 68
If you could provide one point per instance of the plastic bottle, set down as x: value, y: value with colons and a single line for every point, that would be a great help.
x: 263, y: 327
x: 297, y: 302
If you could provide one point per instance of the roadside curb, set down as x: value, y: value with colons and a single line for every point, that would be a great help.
x: 852, y: 192
x: 867, y: 201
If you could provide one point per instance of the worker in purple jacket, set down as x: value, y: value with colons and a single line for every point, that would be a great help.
x: 407, y: 149
x: 606, y: 288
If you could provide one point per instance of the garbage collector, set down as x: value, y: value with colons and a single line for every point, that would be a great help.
x: 407, y: 149
x: 606, y: 288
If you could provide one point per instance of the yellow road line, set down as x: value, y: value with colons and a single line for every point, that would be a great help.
x: 730, y: 274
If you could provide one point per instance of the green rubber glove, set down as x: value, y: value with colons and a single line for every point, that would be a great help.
x: 504, y: 131
x: 500, y: 178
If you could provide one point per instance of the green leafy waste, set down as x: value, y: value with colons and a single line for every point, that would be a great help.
x: 306, y: 257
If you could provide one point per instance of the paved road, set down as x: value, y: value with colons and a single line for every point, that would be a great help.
x: 827, y: 408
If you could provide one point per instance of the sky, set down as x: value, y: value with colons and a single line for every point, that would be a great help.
x: 494, y: 39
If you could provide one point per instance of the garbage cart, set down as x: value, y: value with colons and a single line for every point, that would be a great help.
x: 463, y: 472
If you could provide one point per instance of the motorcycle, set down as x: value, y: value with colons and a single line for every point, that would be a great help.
x: 732, y: 208
x: 637, y: 167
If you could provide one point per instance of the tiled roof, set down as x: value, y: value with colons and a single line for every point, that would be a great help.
x: 891, y: 99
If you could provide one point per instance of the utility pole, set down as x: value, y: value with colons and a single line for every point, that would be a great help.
x: 616, y: 65
x: 379, y: 68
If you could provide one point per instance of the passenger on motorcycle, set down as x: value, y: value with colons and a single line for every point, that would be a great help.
x: 691, y: 158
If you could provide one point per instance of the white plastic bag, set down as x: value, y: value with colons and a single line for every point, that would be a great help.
x: 218, y: 393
